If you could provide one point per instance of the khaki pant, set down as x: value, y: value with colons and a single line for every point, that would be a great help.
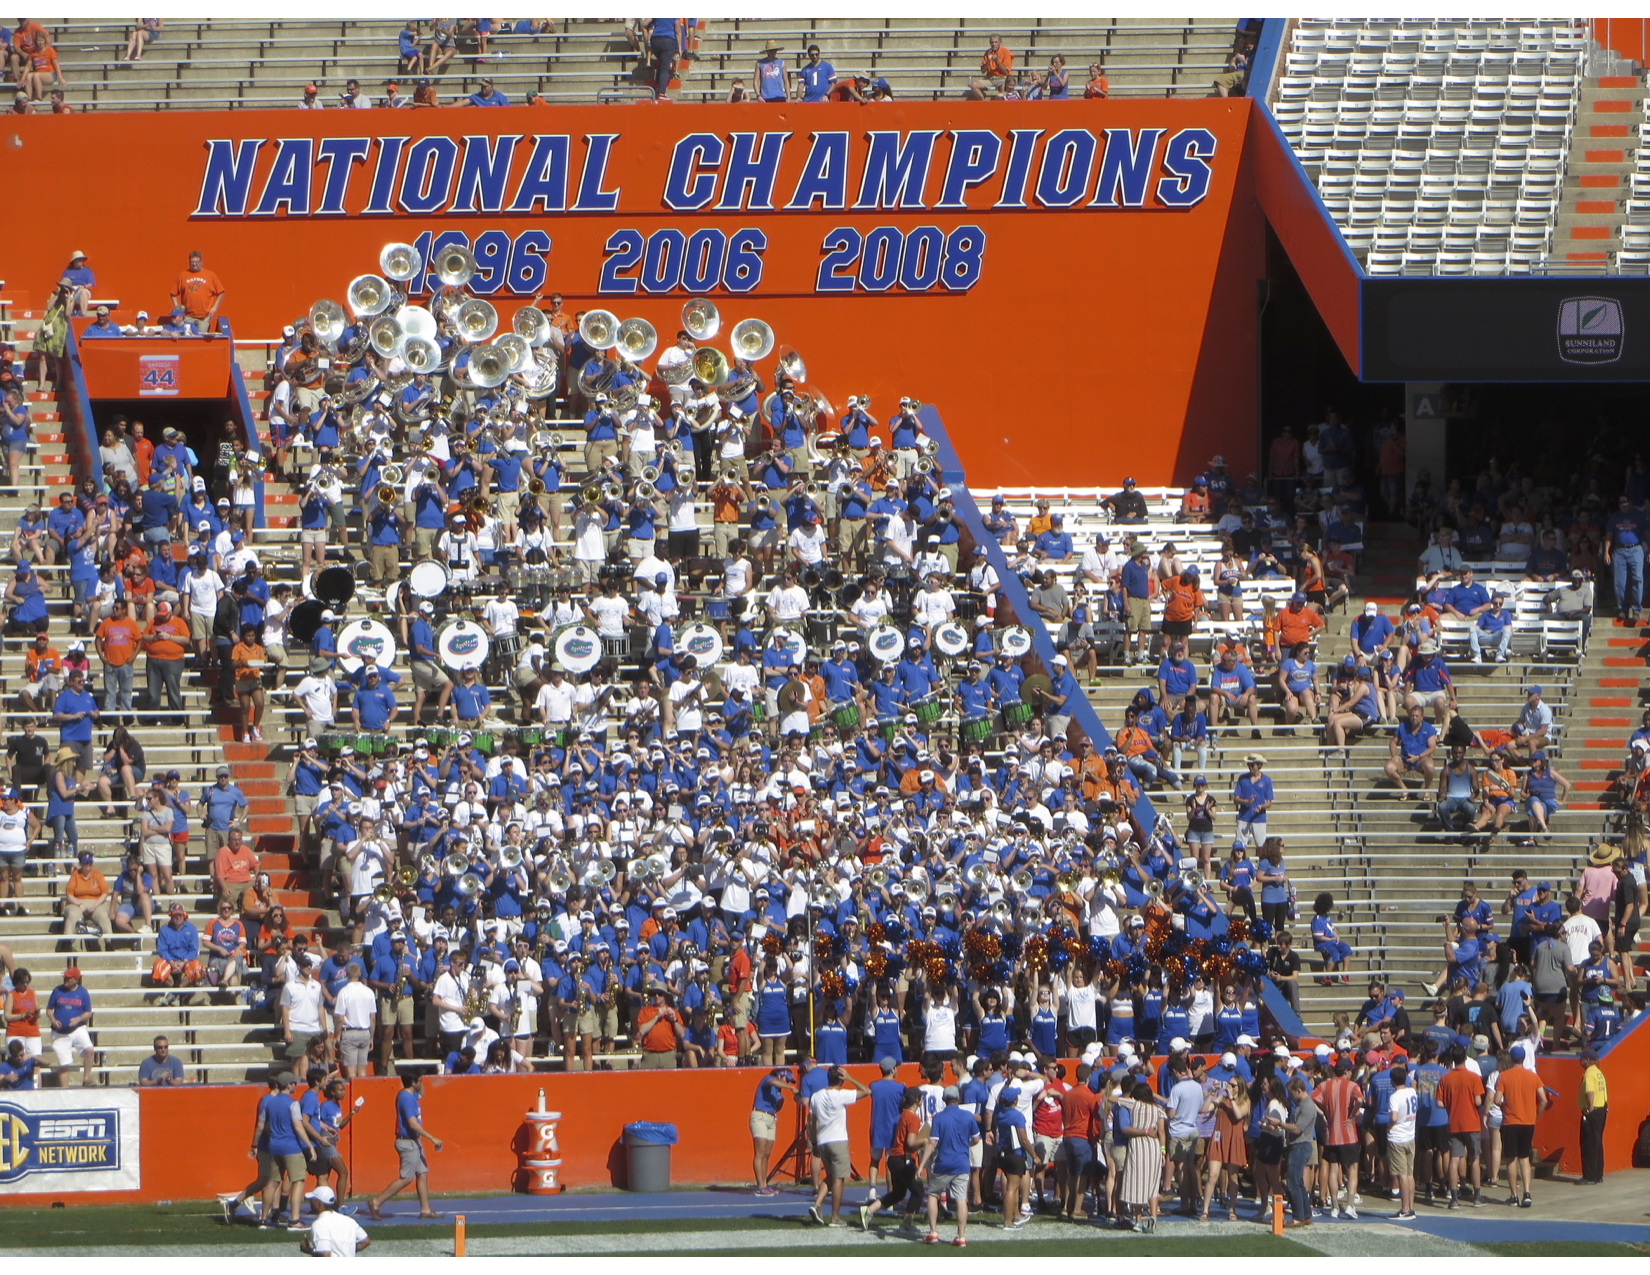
x: 595, y: 453
x: 723, y: 534
x: 75, y: 911
x: 850, y: 535
x: 657, y: 1060
x: 424, y: 539
x: 385, y: 561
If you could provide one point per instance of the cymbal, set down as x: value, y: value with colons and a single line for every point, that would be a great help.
x: 1036, y: 686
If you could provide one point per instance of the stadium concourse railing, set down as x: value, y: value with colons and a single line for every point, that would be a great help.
x: 1286, y: 1020
x: 74, y: 404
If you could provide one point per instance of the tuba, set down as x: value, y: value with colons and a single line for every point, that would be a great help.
x: 637, y: 339
x: 751, y: 339
x: 476, y: 320
x: 710, y: 366
x: 421, y: 354
x: 385, y: 334
x: 489, y: 366
x: 531, y: 324
x: 327, y: 321
x: 400, y: 261
x: 368, y: 295
x: 700, y: 319
x: 599, y: 329
x: 518, y: 354
x: 455, y: 266
x: 791, y: 366
x: 561, y: 880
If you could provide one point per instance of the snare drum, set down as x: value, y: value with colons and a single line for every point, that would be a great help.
x: 1017, y: 716
x: 759, y: 710
x: 440, y: 736
x: 976, y: 731
x: 483, y: 742
x: 928, y: 710
x: 332, y: 742
x: 845, y: 716
x: 615, y: 648
x: 529, y: 736
x: 376, y: 745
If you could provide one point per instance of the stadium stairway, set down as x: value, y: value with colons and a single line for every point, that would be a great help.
x: 1597, y: 177
x: 237, y: 64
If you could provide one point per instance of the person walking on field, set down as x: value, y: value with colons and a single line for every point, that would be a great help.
x: 410, y: 1134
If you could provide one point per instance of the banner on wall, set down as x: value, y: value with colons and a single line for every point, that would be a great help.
x: 902, y: 249
x: 69, y: 1140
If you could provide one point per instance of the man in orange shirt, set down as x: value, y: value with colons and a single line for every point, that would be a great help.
x: 998, y: 62
x: 199, y: 292
x: 1297, y: 622
x: 1461, y: 1093
x: 233, y: 868
x: 86, y: 897
x: 117, y: 646
x: 165, y: 644
x: 658, y: 1028
x: 1077, y: 1109
x: 43, y: 668
x: 1523, y: 1099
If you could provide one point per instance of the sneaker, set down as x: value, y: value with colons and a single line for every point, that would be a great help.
x: 1404, y: 1215
x: 1511, y: 1201
x: 228, y: 1202
x: 1431, y: 988
x: 298, y: 1226
x: 815, y: 1216
x: 1351, y: 1213
x: 959, y: 1242
x: 930, y: 1238
x: 1335, y: 1212
x: 864, y: 1217
x: 836, y: 1222
x: 1356, y: 1198
x: 1452, y: 1201
x: 1526, y: 1202
x: 1026, y: 1209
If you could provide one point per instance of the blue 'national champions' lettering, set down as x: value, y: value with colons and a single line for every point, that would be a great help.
x: 1112, y: 168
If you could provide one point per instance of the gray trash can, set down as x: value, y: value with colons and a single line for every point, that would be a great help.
x: 647, y: 1155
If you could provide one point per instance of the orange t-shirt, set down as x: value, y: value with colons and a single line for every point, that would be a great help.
x: 1097, y: 87
x: 1181, y: 600
x: 24, y: 1002
x: 907, y: 1124
x: 167, y: 639
x: 998, y: 61
x: 1077, y: 1106
x: 1458, y: 1093
x: 1518, y: 1086
x: 1297, y: 626
x: 39, y: 663
x: 195, y: 291
x: 93, y: 886
x: 244, y: 656
x: 1192, y: 503
x: 656, y: 1032
x: 1131, y: 741
x: 119, y: 641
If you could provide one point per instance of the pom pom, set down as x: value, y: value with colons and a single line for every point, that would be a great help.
x: 772, y: 943
x: 1260, y: 932
x: 1099, y: 948
x: 1238, y: 928
x: 876, y: 932
x: 1012, y: 946
x: 831, y: 985
x: 1036, y: 952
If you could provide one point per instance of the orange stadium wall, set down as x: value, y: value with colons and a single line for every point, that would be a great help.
x: 1098, y: 319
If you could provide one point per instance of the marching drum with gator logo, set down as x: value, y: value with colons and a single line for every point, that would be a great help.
x: 363, y: 640
x: 578, y: 648
x: 462, y: 644
x: 885, y: 643
x: 702, y: 642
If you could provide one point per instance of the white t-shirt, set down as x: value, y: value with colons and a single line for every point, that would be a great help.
x: 315, y: 695
x: 689, y: 712
x: 354, y: 1006
x: 334, y: 1234
x: 1579, y: 931
x: 829, y: 1108
x: 303, y: 999
x: 555, y: 703
x: 1402, y: 1106
x: 939, y: 1028
x: 447, y: 989
x: 610, y: 615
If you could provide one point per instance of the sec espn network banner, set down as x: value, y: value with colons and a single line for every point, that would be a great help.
x: 1027, y: 267
x: 68, y: 1140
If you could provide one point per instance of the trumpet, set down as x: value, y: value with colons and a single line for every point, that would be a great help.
x: 429, y: 865
x: 977, y: 874
x: 1193, y: 880
x: 591, y: 495
x: 384, y: 893
x: 561, y: 880
x: 1154, y: 889
x: 394, y: 475
x: 812, y: 490
x: 1002, y: 912
x: 612, y: 491
x: 535, y: 487
x: 385, y: 494
x: 947, y: 901
x: 764, y: 504
x: 406, y: 876
x: 650, y: 473
x: 646, y: 491
x: 877, y: 877
x: 916, y: 889
x: 925, y: 465
x: 469, y: 885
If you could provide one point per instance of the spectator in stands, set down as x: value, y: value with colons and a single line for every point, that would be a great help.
x: 394, y: 98
x: 1573, y: 600
x: 1230, y: 82
x: 1545, y: 791
x: 411, y: 59
x: 199, y: 292
x: 814, y: 78
x: 77, y: 278
x: 1412, y: 746
x: 443, y: 45
x: 144, y: 32
x: 1625, y: 534
x: 43, y: 69
x: 1492, y: 624
x: 1429, y: 683
x: 1057, y: 84
x: 773, y: 80
x: 310, y: 100
x: 1097, y: 87
x: 70, y: 1010
x: 352, y: 99
x: 997, y: 64
x: 485, y: 95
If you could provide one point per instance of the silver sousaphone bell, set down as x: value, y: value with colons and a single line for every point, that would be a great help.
x: 477, y: 320
x: 637, y: 339
x: 599, y: 329
x: 751, y: 339
x: 400, y: 261
x: 455, y: 266
x: 368, y: 295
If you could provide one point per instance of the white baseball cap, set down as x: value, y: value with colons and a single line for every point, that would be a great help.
x: 322, y: 1195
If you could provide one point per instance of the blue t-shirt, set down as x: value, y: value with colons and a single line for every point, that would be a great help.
x: 769, y: 1096
x: 406, y: 1109
x: 953, y: 1131
x: 886, y: 1096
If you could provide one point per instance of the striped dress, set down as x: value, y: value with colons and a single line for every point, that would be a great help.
x: 1143, y: 1170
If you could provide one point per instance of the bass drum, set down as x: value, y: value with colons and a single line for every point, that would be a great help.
x: 363, y: 640
x: 702, y: 642
x: 885, y: 643
x: 427, y: 579
x: 1014, y: 641
x: 578, y: 648
x: 796, y: 648
x: 951, y: 639
x: 462, y: 644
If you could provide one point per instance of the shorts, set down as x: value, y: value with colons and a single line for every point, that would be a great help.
x: 976, y: 1154
x: 13, y: 858
x: 1080, y: 1038
x: 411, y: 1151
x: 304, y: 806
x: 1400, y: 1159
x: 1047, y: 1148
x: 31, y: 1045
x: 314, y: 537
x: 354, y: 1046
x: 396, y: 1014
x: 834, y: 1158
x: 1431, y: 699
x: 68, y: 1047
x: 427, y: 676
x: 953, y: 1184
x: 763, y: 1125
x: 1346, y: 1156
x: 200, y: 626
x: 763, y: 538
x: 1464, y: 1144
x: 1118, y: 1154
x: 272, y: 1167
x: 1012, y: 1163
x: 1077, y: 1154
x: 1182, y: 1149
x: 1517, y: 1140
x: 1432, y: 1138
x: 1137, y: 616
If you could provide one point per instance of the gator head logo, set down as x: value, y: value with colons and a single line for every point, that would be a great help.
x: 464, y: 643
x: 577, y: 648
x: 1590, y: 330
x: 701, y: 644
x: 365, y: 646
x: 886, y: 644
